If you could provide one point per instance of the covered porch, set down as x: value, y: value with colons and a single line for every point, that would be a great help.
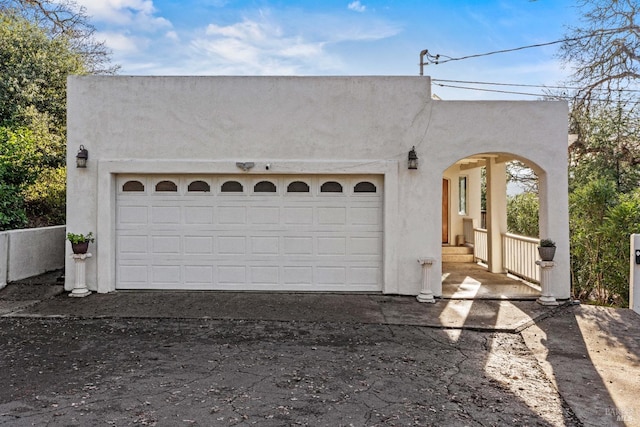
x: 473, y: 281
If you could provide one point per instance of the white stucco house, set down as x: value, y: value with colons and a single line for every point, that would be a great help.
x: 296, y: 183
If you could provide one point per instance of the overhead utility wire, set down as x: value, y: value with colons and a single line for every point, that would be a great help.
x: 497, y: 90
x: 435, y: 59
x: 567, y: 97
x: 521, y: 85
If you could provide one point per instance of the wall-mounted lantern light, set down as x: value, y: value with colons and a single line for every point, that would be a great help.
x: 413, y: 159
x: 81, y: 157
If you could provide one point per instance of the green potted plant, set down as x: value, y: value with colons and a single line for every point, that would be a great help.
x: 547, y: 249
x: 80, y: 242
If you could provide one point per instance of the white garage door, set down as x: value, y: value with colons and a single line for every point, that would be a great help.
x: 249, y: 232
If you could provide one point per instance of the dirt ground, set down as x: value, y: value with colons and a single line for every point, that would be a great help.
x: 199, y: 372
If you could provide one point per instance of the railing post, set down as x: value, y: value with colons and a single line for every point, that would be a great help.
x: 545, y: 283
x: 426, y: 294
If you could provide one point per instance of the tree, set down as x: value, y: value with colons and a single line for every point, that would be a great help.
x: 601, y: 221
x: 33, y: 72
x: 64, y: 19
x: 604, y: 167
x: 604, y: 52
x: 41, y: 43
x: 522, y: 214
x: 608, y: 146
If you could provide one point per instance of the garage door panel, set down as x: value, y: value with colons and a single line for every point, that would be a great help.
x: 263, y: 245
x: 298, y: 245
x: 264, y: 215
x: 133, y: 244
x: 364, y: 275
x: 247, y: 240
x: 198, y: 215
x: 232, y: 274
x: 365, y: 215
x: 331, y: 275
x: 232, y: 245
x: 298, y: 215
x: 162, y: 245
x: 232, y: 215
x: 332, y: 216
x: 198, y: 274
x: 265, y: 275
x: 133, y: 274
x: 198, y: 245
x: 365, y: 245
x: 298, y: 275
x: 335, y: 246
x: 166, y: 274
x: 165, y: 215
x: 133, y: 215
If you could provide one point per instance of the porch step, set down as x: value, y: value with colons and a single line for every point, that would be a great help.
x: 457, y: 254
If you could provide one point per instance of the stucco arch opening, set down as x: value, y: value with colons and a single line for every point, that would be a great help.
x: 462, y: 207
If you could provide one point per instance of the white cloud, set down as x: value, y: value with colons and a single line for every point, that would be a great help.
x: 356, y: 6
x: 140, y: 14
x: 265, y: 42
x: 122, y: 43
x: 257, y: 47
x: 172, y: 35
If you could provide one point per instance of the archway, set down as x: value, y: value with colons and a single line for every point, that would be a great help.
x: 480, y: 256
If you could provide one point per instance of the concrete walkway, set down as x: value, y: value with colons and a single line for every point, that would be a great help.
x: 570, y: 365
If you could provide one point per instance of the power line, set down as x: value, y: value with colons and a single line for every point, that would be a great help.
x: 499, y: 91
x: 436, y: 59
x: 555, y: 96
x: 525, y: 85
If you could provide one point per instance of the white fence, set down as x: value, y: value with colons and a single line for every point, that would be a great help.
x: 29, y: 252
x: 519, y: 255
x: 480, y: 245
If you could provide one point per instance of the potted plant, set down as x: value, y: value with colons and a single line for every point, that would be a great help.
x: 80, y: 242
x: 547, y: 249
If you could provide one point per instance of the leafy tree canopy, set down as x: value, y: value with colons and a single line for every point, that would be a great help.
x: 33, y: 71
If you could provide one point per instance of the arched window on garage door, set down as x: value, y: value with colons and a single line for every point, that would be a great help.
x: 199, y: 186
x: 331, y: 187
x: 364, y: 187
x: 166, y: 186
x: 264, y: 187
x: 133, y: 186
x: 231, y: 187
x: 298, y: 187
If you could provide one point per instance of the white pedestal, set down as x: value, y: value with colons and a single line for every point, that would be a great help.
x: 545, y: 282
x: 426, y: 294
x: 80, y: 286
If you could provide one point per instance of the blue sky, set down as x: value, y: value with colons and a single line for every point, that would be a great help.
x: 332, y: 37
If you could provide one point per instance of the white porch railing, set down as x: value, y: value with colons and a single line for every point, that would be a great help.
x: 480, y: 246
x: 519, y: 255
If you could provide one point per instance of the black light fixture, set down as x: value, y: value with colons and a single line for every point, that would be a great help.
x: 81, y: 157
x: 413, y: 158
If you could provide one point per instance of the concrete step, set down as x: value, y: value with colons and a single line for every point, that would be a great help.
x: 457, y: 257
x: 457, y: 250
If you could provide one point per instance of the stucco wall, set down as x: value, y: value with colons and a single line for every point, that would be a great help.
x: 29, y: 252
x: 304, y: 125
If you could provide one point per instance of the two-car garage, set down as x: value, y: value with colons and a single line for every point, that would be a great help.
x: 249, y: 232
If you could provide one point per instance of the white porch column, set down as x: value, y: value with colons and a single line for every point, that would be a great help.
x: 547, y: 297
x: 496, y: 212
x: 80, y: 285
x: 426, y: 294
